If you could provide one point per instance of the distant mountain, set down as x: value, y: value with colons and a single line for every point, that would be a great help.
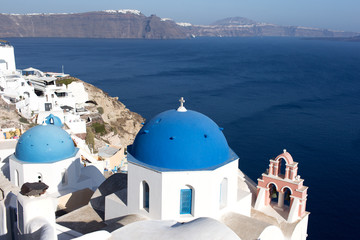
x: 102, y: 24
x: 134, y: 24
x: 243, y: 27
x: 234, y: 21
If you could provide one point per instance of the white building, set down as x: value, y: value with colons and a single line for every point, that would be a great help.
x: 37, y: 94
x: 183, y: 181
x: 7, y: 57
x: 180, y: 167
x: 46, y: 153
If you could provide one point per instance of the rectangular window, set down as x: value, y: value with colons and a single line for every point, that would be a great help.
x: 48, y: 106
x: 185, y: 201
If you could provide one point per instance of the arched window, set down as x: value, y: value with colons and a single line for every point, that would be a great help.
x: 223, y: 193
x: 17, y: 182
x: 186, y: 200
x: 145, y: 195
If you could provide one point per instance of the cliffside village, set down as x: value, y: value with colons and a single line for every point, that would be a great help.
x: 39, y: 97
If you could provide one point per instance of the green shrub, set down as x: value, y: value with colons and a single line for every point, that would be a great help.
x: 24, y: 120
x: 100, y: 110
x: 99, y: 128
x: 65, y: 81
x: 90, y: 138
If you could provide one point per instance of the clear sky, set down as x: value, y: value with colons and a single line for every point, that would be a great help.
x: 332, y: 14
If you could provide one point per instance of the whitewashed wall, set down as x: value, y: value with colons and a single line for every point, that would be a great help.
x: 7, y: 55
x: 51, y: 173
x: 165, y: 187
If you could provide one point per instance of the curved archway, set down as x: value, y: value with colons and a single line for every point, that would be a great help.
x: 273, y: 193
x: 286, y: 156
x: 287, y: 193
x: 282, y: 167
x: 286, y: 187
x: 272, y: 183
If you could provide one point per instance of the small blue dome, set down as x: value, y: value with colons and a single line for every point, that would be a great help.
x: 45, y: 144
x: 175, y: 140
x: 53, y: 120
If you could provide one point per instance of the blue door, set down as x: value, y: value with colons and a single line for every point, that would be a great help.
x: 185, y: 201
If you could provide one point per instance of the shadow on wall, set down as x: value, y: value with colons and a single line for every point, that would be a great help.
x: 6, y: 167
x: 114, y: 183
x: 73, y: 201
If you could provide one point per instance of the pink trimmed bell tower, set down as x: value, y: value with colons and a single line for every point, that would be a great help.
x: 283, y: 186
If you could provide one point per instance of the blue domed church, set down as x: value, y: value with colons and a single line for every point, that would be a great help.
x: 180, y: 170
x: 181, y: 167
x: 46, y: 153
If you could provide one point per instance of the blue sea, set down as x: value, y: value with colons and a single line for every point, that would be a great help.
x: 268, y: 94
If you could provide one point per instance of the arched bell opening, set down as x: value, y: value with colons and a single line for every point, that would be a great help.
x: 282, y: 167
x: 273, y: 193
x: 287, y: 199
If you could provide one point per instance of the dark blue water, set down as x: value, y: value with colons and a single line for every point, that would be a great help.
x: 267, y: 93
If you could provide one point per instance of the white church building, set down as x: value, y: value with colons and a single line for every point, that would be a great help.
x: 180, y: 167
x: 46, y: 153
x: 183, y: 181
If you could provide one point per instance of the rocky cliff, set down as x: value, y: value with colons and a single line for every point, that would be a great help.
x: 117, y: 124
x: 9, y: 118
x: 133, y: 24
x: 121, y: 125
x: 102, y: 24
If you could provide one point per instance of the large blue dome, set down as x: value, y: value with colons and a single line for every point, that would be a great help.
x: 181, y: 140
x: 45, y: 144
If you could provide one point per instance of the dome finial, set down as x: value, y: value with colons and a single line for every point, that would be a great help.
x: 181, y: 108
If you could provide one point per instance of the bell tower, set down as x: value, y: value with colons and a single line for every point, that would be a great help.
x: 284, y: 186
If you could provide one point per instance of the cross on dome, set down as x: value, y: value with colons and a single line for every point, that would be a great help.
x: 182, y: 100
x: 181, y: 108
